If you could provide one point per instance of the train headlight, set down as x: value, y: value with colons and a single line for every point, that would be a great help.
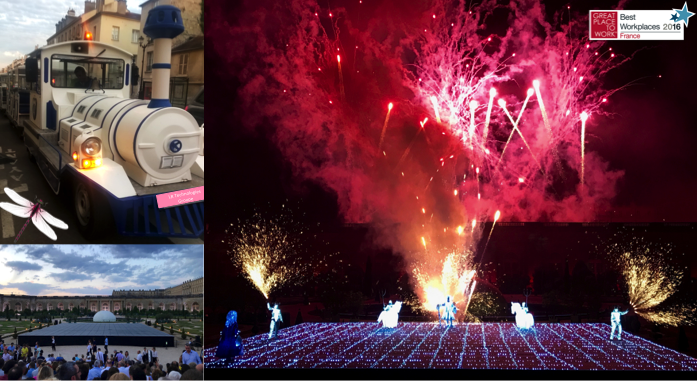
x: 92, y: 146
x: 88, y: 151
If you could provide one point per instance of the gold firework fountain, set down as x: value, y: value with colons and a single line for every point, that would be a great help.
x: 456, y: 279
x: 267, y: 253
x: 650, y: 281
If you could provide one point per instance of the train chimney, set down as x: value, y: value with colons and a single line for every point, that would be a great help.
x: 164, y: 22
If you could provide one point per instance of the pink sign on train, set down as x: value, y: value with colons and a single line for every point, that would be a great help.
x: 186, y: 196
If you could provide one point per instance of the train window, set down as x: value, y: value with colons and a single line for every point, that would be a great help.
x: 82, y: 72
x: 81, y: 109
x: 96, y: 112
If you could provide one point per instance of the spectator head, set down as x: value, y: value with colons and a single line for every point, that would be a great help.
x: 112, y: 371
x: 199, y: 367
x: 192, y: 374
x: 174, y: 375
x: 8, y: 365
x: 15, y: 373
x: 156, y: 374
x: 68, y: 371
x: 122, y: 364
x: 45, y: 373
x: 192, y: 365
x: 119, y: 376
x: 184, y: 368
x: 84, y: 371
x: 137, y: 373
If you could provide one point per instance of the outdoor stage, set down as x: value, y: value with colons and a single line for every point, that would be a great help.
x: 470, y: 346
x: 134, y: 334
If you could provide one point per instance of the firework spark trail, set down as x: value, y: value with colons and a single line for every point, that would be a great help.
x: 584, y: 116
x: 496, y: 217
x: 384, y: 126
x: 515, y: 126
x: 434, y: 101
x: 502, y: 103
x: 469, y: 298
x: 492, y: 94
x: 473, y: 106
x: 341, y: 79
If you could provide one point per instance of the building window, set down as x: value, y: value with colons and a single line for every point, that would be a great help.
x: 94, y: 34
x: 148, y: 62
x: 115, y: 33
x: 105, y: 306
x: 183, y: 63
x: 134, y: 36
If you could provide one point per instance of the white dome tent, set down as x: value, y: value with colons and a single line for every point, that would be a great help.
x: 104, y: 317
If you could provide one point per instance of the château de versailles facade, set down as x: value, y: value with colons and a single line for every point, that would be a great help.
x: 187, y: 296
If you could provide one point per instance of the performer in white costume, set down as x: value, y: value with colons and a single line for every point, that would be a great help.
x: 523, y: 319
x: 276, y: 318
x: 615, y: 319
x: 390, y: 315
x: 449, y: 313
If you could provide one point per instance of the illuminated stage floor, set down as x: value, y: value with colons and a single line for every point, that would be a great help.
x: 470, y: 346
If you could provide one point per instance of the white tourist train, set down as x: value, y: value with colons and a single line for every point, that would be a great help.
x: 113, y: 154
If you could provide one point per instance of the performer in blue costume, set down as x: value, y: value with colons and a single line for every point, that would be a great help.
x: 615, y: 320
x: 449, y: 313
x: 230, y: 344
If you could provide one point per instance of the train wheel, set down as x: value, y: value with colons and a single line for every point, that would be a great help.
x: 92, y: 211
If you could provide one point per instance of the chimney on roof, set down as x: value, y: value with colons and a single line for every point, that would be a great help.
x: 90, y: 6
x: 122, y: 7
x: 71, y: 12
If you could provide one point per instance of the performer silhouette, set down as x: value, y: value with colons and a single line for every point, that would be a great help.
x: 615, y: 319
x: 230, y: 344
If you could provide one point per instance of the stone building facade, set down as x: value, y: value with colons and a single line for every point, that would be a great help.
x: 187, y: 296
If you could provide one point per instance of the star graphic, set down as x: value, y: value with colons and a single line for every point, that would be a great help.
x: 674, y: 17
x: 684, y: 14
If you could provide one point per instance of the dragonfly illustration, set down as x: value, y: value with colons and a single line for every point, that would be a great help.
x: 34, y: 212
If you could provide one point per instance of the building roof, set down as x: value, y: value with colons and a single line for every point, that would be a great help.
x: 127, y: 15
x: 141, y: 5
x: 195, y: 43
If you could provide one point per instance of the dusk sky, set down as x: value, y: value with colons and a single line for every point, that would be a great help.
x: 24, y: 24
x: 96, y: 269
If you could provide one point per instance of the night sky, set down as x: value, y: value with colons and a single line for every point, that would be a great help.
x: 650, y: 136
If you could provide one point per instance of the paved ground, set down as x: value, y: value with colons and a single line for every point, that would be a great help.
x: 467, y: 346
x: 25, y: 178
x: 165, y: 355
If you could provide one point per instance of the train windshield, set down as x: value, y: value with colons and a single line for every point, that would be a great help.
x: 81, y: 72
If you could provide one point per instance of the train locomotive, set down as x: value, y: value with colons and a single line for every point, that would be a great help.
x: 112, y: 154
